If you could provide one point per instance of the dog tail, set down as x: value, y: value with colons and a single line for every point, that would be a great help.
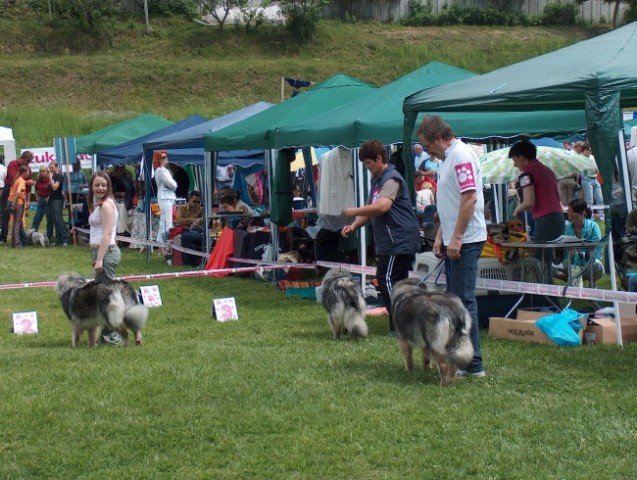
x: 357, y: 326
x: 461, y: 350
x: 135, y: 317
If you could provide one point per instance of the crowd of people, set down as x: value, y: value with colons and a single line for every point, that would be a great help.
x: 447, y: 180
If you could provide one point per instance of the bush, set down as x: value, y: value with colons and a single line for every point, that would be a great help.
x: 302, y: 17
x: 185, y: 8
x: 560, y: 13
x: 631, y: 13
x: 422, y: 15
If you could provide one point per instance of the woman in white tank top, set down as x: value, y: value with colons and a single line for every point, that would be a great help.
x: 103, y: 227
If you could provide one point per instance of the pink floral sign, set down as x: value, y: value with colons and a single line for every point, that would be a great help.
x: 224, y: 309
x: 151, y: 296
x: 25, y: 323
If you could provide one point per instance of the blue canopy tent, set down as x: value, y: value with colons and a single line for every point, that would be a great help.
x: 131, y: 152
x: 194, y: 137
x: 186, y: 146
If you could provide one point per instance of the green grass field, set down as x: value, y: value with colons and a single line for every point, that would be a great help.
x: 273, y: 396
x: 270, y: 395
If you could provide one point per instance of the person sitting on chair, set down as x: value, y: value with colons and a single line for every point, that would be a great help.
x: 190, y: 218
x: 583, y: 227
x: 231, y: 203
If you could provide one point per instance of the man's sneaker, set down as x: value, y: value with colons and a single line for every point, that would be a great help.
x: 65, y: 244
x: 113, y: 338
x: 464, y: 373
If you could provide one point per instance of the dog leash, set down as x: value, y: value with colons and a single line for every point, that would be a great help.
x: 439, y: 268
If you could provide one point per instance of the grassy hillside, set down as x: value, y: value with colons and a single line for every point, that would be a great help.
x: 59, y: 81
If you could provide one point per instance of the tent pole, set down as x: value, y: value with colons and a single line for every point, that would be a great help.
x: 611, y: 253
x: 68, y: 191
x: 274, y: 228
x: 210, y: 160
x: 362, y: 189
x: 409, y: 123
x: 148, y: 166
x: 623, y: 164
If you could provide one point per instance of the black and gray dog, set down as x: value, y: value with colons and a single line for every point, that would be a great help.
x: 435, y: 321
x: 91, y: 306
x: 342, y: 297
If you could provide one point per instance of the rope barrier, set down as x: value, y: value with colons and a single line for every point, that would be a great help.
x: 260, y: 265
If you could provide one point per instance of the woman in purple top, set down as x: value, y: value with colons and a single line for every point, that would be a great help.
x: 540, y: 195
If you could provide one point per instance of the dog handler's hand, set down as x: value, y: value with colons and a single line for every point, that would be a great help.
x: 453, y: 249
x: 437, y: 248
x: 98, y: 266
x: 346, y: 230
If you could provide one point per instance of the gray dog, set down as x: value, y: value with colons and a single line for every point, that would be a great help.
x: 343, y: 299
x: 37, y: 238
x: 435, y: 321
x: 91, y: 306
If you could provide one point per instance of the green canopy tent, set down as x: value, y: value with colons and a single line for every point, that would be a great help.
x: 597, y: 76
x: 379, y: 115
x: 120, y: 133
x: 261, y: 131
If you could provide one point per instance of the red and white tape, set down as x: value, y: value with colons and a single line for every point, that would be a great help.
x: 158, y: 276
x: 484, y: 283
x: 151, y: 243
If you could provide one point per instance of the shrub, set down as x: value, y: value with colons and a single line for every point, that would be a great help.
x: 302, y: 17
x: 422, y: 15
x: 166, y: 8
x: 560, y: 13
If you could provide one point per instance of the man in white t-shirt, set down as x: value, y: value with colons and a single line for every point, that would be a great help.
x: 463, y: 228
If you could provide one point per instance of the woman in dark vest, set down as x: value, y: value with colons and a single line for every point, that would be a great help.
x: 394, y: 223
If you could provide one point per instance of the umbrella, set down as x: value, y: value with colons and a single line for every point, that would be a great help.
x: 299, y: 160
x: 497, y: 167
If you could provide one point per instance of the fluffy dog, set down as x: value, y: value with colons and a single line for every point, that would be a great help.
x: 435, y: 321
x: 37, y: 238
x: 343, y: 299
x: 91, y: 306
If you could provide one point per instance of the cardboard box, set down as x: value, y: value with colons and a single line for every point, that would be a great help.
x: 604, y: 330
x: 523, y: 327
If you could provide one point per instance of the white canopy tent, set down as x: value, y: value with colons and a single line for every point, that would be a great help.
x: 8, y: 142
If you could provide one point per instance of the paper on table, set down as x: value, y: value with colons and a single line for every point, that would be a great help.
x: 567, y: 239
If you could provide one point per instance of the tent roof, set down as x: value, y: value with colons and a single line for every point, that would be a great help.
x: 261, y: 130
x: 119, y: 133
x: 6, y: 134
x: 597, y: 76
x: 131, y: 151
x: 376, y: 115
x: 379, y: 115
x: 194, y: 136
x: 196, y: 156
x: 559, y: 80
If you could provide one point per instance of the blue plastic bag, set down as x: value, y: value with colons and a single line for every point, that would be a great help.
x: 562, y: 327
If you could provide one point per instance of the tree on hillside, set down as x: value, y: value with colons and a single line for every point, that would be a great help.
x: 631, y: 13
x: 220, y: 9
x: 252, y: 17
x: 303, y: 16
x: 95, y: 13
